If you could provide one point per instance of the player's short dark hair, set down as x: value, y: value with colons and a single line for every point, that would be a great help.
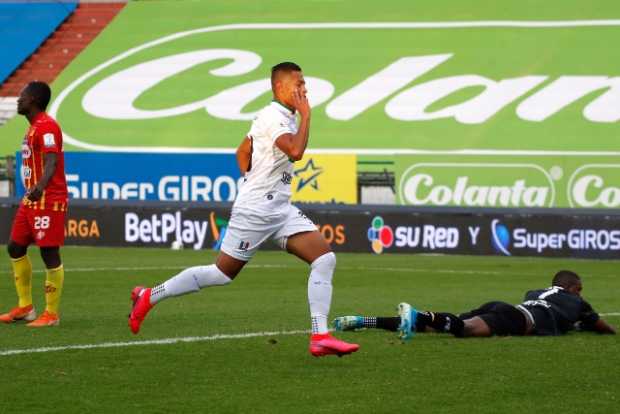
x: 284, y: 67
x: 565, y: 279
x: 40, y: 92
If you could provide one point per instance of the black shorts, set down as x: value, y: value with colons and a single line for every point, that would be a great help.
x: 503, y: 318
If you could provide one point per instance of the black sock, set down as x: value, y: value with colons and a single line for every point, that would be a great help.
x: 448, y: 323
x: 423, y: 320
x: 388, y: 323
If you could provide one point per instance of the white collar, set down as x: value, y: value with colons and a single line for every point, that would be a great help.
x: 283, y: 109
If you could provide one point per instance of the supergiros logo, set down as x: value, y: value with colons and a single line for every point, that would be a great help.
x: 506, y: 241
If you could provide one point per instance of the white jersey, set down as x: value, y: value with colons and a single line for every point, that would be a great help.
x: 271, y: 170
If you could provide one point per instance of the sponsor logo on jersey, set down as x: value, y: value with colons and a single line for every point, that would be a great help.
x: 286, y: 178
x: 26, y: 172
x: 26, y: 151
x: 243, y: 246
x: 48, y: 140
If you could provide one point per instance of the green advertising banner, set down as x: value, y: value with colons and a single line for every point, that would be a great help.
x: 510, y: 104
x: 508, y: 181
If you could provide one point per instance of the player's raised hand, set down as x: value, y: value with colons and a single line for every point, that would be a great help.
x: 300, y: 103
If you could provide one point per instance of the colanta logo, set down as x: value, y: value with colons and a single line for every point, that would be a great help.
x: 477, y: 185
x: 380, y: 235
x: 114, y: 96
x: 396, y: 87
x: 500, y: 237
x: 595, y: 186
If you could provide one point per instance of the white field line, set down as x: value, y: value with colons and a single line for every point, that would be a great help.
x: 164, y: 341
x: 168, y: 341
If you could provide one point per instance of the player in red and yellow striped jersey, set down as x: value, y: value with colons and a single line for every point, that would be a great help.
x: 40, y: 218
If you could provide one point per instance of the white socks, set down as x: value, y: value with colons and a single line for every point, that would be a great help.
x: 319, y: 287
x: 320, y: 291
x: 189, y: 280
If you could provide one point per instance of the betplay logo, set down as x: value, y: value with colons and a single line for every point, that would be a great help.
x: 163, y: 229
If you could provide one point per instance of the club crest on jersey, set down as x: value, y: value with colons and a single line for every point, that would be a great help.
x: 26, y: 173
x: 40, y: 235
x: 26, y: 151
x: 48, y: 140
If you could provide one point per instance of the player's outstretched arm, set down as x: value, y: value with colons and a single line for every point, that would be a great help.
x: 603, y: 327
x: 295, y: 145
x: 50, y: 160
x: 244, y: 155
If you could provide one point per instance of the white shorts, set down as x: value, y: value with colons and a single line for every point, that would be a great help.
x: 251, y: 226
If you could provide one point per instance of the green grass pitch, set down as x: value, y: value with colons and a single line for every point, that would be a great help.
x: 266, y: 374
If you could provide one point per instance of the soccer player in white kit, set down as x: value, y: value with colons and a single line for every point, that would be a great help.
x: 263, y: 210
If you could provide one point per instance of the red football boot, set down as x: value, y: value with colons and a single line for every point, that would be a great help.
x: 141, y: 298
x: 325, y: 344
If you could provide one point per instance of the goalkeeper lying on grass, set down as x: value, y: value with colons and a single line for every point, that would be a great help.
x: 552, y: 311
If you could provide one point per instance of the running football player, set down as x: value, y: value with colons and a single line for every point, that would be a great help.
x: 552, y: 311
x: 263, y: 210
x: 40, y: 218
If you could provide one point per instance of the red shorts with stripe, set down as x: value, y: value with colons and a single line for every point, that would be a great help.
x: 45, y: 228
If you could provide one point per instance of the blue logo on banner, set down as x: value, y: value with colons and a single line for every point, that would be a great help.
x: 500, y: 237
x: 144, y: 176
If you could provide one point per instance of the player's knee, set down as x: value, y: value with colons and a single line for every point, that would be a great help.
x: 15, y: 250
x: 476, y: 327
x: 51, y: 257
